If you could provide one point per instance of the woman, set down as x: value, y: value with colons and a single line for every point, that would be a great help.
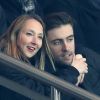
x: 23, y: 38
x: 23, y: 41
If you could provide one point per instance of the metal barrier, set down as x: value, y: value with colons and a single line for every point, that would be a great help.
x: 21, y: 89
x: 47, y: 78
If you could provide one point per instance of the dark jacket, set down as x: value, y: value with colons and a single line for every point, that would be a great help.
x: 67, y: 73
x: 92, y: 78
x: 29, y: 82
x: 20, y: 78
x: 91, y: 81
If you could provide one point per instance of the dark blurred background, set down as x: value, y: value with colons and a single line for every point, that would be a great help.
x: 86, y: 15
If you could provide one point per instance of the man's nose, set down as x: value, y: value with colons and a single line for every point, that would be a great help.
x: 65, y: 47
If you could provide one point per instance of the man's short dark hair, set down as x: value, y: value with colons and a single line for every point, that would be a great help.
x: 55, y: 20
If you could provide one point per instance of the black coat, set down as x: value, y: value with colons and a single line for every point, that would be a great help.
x: 20, y: 78
x: 92, y: 78
x: 91, y: 81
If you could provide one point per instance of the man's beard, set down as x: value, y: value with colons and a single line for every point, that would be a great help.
x: 63, y: 62
x: 60, y: 64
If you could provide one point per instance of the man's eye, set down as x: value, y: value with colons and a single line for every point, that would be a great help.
x: 57, y: 42
x: 71, y: 39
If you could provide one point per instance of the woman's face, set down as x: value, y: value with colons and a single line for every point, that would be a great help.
x: 30, y: 37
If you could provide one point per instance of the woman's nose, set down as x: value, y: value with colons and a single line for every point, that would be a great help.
x: 35, y: 40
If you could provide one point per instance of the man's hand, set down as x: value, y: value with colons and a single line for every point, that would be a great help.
x: 80, y: 64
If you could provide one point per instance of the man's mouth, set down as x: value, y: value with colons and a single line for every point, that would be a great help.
x: 67, y: 55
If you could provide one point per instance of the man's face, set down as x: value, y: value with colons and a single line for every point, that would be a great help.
x: 61, y: 43
x: 30, y: 38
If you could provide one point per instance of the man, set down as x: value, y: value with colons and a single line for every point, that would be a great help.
x: 74, y: 63
x: 84, y: 12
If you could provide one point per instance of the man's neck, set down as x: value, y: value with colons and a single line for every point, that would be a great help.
x: 60, y: 65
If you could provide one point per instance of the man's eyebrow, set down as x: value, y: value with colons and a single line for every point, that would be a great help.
x: 70, y: 36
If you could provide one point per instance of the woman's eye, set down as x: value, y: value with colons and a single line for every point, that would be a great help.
x: 28, y: 33
x: 40, y: 37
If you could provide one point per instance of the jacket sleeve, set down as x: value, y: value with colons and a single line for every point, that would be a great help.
x: 92, y: 58
x: 91, y: 80
x: 69, y: 74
